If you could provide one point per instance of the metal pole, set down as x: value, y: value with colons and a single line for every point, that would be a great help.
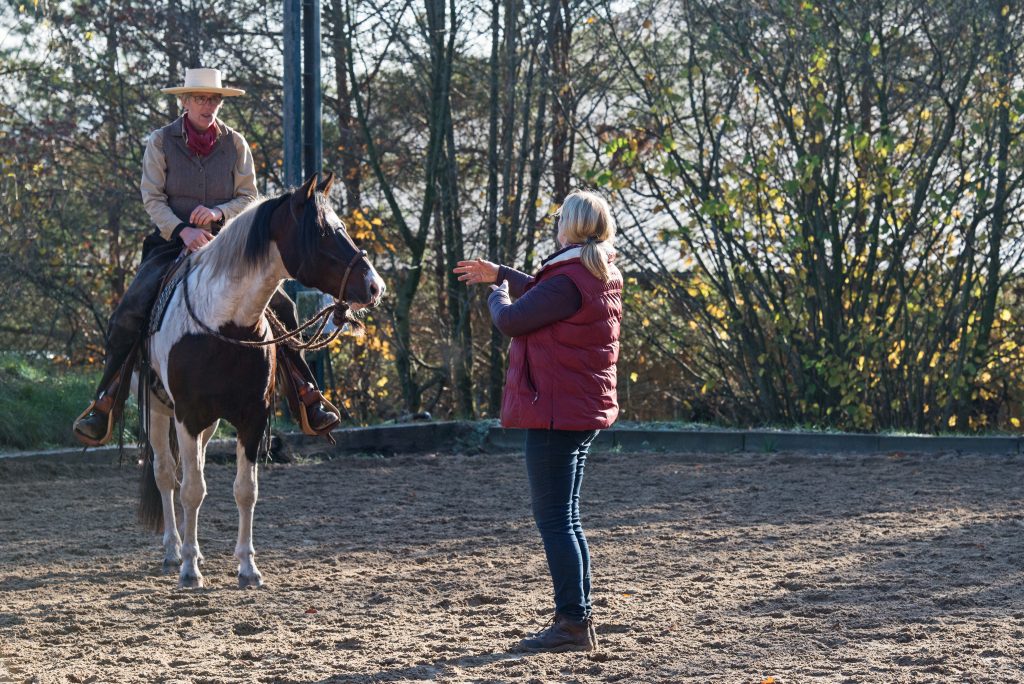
x: 292, y: 93
x: 312, y: 98
x: 312, y: 130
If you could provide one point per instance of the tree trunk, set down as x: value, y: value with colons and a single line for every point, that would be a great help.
x: 351, y: 152
x: 438, y: 79
x: 536, y: 152
x: 564, y: 105
x: 172, y: 41
x: 997, y: 229
x: 118, y: 274
x: 496, y: 344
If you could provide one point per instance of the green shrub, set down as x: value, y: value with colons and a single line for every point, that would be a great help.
x: 39, y: 402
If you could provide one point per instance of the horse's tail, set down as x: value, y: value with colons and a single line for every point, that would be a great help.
x: 151, y: 505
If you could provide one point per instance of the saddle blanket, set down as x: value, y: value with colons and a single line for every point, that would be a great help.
x: 156, y: 316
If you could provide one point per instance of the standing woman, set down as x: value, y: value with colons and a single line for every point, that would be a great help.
x: 196, y: 174
x: 560, y: 386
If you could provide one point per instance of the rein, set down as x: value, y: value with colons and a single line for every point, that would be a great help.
x: 285, y: 337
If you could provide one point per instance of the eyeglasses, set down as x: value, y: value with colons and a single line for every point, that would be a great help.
x: 207, y: 99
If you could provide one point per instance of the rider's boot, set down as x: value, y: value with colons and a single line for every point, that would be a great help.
x: 315, y: 414
x: 96, y: 424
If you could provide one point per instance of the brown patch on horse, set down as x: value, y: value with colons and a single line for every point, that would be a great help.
x: 211, y: 379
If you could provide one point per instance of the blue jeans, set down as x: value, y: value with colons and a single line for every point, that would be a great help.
x: 554, y: 466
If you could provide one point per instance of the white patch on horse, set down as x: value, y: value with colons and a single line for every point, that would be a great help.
x: 246, y: 490
x: 238, y: 298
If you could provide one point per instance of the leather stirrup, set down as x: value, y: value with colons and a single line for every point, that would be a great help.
x: 304, y: 404
x: 89, y: 441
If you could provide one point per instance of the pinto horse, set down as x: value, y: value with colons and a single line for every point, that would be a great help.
x: 209, y: 377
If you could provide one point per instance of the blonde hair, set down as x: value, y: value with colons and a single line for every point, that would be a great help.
x: 586, y: 219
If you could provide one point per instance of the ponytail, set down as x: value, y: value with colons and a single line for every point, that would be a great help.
x: 586, y: 219
x: 595, y: 259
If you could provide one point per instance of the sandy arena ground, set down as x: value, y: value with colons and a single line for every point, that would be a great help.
x: 708, y: 568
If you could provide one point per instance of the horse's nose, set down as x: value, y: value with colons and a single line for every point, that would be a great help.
x: 376, y: 287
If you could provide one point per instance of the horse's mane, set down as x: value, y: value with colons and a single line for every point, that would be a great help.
x: 243, y: 245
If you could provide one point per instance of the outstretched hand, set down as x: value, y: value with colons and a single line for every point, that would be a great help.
x: 476, y: 271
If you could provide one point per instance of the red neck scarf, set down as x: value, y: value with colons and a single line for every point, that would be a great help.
x: 200, y: 142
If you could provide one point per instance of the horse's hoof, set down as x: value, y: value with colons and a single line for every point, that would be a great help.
x: 245, y: 581
x: 170, y: 567
x: 191, y: 582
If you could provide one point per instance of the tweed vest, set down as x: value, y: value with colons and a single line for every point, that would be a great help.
x: 562, y: 376
x: 193, y: 181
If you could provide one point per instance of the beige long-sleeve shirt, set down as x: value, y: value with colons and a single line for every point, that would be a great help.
x: 154, y: 181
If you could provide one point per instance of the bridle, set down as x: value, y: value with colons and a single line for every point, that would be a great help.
x: 341, y: 307
x: 360, y: 255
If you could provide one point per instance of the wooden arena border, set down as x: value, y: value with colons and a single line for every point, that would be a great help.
x: 481, y: 437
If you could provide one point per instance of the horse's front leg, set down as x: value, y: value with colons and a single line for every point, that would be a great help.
x: 204, y: 441
x: 164, y: 470
x: 246, y: 492
x: 193, y: 491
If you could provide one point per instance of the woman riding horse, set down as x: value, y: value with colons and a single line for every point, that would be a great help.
x: 196, y: 174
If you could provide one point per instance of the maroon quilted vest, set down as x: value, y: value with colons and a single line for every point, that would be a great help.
x: 562, y: 376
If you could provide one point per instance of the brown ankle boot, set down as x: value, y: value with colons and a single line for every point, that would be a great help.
x: 95, y: 426
x: 315, y: 415
x: 564, y: 634
x: 319, y: 418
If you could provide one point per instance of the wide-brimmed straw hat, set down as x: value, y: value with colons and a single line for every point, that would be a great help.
x: 203, y: 81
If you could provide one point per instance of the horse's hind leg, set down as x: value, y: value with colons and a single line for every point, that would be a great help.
x: 246, y: 493
x: 164, y: 470
x: 193, y: 491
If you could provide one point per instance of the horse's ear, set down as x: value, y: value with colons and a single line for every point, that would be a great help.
x: 304, y: 193
x: 310, y: 186
x: 326, y: 183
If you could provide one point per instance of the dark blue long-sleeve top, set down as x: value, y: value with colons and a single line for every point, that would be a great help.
x: 554, y: 299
